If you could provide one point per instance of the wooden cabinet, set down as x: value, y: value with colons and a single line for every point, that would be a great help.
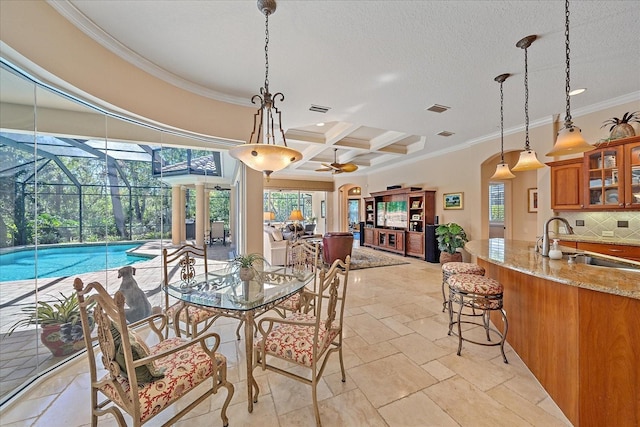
x: 396, y: 220
x: 631, y: 175
x: 390, y: 240
x: 620, y: 251
x: 368, y: 236
x: 567, y: 179
x: 604, y: 179
x: 415, y: 243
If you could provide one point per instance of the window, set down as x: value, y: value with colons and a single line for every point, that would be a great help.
x: 496, y: 202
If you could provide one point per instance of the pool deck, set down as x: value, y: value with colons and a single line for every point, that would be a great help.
x: 22, y: 354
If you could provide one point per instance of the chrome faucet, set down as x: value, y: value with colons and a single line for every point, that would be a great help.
x: 545, y: 233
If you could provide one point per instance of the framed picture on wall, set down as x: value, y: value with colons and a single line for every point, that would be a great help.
x: 453, y: 200
x: 323, y: 209
x: 533, y: 200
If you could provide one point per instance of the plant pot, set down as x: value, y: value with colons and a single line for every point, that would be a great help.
x: 623, y: 130
x: 63, y: 339
x: 446, y: 257
x: 246, y: 273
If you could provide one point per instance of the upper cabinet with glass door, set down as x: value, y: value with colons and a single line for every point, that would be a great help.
x: 632, y: 175
x: 613, y: 175
x: 603, y: 168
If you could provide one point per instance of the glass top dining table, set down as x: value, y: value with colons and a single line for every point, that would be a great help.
x: 223, y: 292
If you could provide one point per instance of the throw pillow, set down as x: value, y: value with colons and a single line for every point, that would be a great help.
x: 139, y: 350
x: 277, y: 235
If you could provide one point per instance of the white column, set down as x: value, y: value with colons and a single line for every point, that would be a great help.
x: 183, y: 217
x: 176, y: 208
x: 200, y: 214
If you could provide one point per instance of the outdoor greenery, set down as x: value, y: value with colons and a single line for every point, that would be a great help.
x: 282, y: 203
x: 89, y: 199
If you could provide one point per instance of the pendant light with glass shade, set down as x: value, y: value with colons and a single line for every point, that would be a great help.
x: 528, y: 159
x: 569, y: 140
x: 261, y: 152
x: 502, y: 169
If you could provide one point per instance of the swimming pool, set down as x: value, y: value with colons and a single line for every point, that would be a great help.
x: 65, y: 261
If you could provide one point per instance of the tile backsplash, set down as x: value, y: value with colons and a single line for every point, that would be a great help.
x: 597, y: 222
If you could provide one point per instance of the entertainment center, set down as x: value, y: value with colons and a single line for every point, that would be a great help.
x: 401, y: 221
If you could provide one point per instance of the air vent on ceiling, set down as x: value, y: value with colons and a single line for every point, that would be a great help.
x: 319, y: 108
x: 445, y: 133
x: 437, y: 108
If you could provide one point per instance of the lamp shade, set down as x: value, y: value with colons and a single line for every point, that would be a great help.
x: 528, y: 161
x: 268, y: 216
x: 265, y: 158
x: 502, y: 172
x: 569, y: 141
x: 296, y: 215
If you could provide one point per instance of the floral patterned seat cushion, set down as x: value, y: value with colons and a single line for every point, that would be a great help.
x: 196, y: 314
x: 295, y: 342
x: 292, y: 303
x: 184, y: 370
x: 475, y: 284
x: 451, y: 268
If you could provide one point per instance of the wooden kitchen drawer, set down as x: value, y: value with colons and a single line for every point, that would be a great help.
x: 621, y: 251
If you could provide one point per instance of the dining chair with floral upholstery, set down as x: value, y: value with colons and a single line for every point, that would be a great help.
x: 144, y: 380
x: 188, y: 261
x: 301, y: 257
x: 305, y: 339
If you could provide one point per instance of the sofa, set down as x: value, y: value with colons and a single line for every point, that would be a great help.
x: 274, y: 246
x: 292, y: 231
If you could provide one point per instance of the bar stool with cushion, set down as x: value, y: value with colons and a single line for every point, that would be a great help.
x: 451, y: 268
x: 478, y: 293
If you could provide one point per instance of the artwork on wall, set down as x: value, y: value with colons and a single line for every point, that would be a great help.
x: 453, y: 200
x: 533, y: 200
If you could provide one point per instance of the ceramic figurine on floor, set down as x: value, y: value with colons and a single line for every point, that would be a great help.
x: 135, y: 298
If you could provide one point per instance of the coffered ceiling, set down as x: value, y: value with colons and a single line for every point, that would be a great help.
x: 378, y: 65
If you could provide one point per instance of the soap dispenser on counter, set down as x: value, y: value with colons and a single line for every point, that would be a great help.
x: 555, y: 252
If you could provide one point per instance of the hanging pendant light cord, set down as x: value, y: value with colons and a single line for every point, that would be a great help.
x: 501, y: 124
x: 567, y: 120
x: 266, y: 52
x: 526, y: 102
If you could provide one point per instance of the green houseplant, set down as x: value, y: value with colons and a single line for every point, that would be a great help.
x: 450, y: 237
x: 244, y: 263
x: 620, y: 127
x: 60, y: 323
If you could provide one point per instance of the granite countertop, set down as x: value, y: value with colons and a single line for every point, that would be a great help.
x: 520, y: 256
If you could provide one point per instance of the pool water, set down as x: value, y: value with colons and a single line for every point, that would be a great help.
x: 65, y: 261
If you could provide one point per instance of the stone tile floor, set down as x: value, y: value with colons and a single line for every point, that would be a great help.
x: 402, y: 370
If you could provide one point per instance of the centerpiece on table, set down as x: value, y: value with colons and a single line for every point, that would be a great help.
x: 245, y: 265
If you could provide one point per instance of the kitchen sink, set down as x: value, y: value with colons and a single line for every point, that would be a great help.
x: 590, y: 259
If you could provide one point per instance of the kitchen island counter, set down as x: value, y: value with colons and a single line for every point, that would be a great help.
x: 575, y: 326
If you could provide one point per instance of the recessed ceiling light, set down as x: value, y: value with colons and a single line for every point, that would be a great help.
x: 577, y: 91
x: 445, y: 133
x: 437, y: 108
x: 320, y: 124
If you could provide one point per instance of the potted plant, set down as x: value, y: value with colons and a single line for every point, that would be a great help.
x: 60, y: 322
x: 450, y: 237
x: 620, y: 128
x: 244, y: 263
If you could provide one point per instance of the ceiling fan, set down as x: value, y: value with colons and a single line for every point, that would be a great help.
x: 336, y: 167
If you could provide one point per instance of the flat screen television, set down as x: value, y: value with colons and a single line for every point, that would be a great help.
x: 392, y: 214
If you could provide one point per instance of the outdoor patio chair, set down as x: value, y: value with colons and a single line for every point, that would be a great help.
x: 217, y: 233
x: 192, y: 316
x: 143, y: 381
x: 300, y: 256
x: 305, y: 339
